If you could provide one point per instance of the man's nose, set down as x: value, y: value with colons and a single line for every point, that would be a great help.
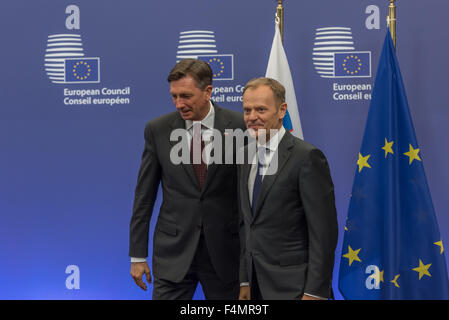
x: 253, y: 115
x: 178, y: 102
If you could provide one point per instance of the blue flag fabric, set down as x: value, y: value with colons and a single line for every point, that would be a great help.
x: 392, y: 247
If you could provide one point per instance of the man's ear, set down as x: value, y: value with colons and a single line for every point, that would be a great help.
x: 208, y: 92
x: 283, y: 110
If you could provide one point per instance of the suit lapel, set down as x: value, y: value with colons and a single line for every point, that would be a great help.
x: 179, y: 123
x: 220, y: 124
x: 246, y: 169
x: 283, y: 153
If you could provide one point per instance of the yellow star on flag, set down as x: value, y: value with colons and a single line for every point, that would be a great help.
x: 363, y: 162
x: 413, y: 154
x: 352, y: 255
x: 388, y: 147
x: 395, y: 281
x: 378, y: 276
x: 440, y: 244
x: 423, y: 269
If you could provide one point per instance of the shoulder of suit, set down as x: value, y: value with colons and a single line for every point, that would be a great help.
x: 301, y: 145
x: 235, y: 116
x: 163, y: 120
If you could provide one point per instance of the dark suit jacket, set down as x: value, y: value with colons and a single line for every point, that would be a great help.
x: 291, y: 238
x: 185, y: 208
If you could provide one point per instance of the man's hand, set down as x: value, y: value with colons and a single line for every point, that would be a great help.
x: 137, y: 271
x: 244, y: 293
x: 307, y: 297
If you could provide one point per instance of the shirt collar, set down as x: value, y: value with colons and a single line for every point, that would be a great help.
x: 273, y: 143
x: 208, y: 120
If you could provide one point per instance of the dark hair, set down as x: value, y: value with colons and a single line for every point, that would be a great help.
x: 275, y: 86
x: 199, y: 70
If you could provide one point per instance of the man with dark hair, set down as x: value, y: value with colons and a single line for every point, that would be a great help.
x: 287, y: 205
x: 196, y: 235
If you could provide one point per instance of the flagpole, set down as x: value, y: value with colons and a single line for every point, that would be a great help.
x: 391, y: 20
x: 280, y: 18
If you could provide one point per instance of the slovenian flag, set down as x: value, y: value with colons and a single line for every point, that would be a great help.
x: 279, y: 70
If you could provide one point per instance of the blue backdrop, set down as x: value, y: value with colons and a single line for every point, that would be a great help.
x: 70, y: 145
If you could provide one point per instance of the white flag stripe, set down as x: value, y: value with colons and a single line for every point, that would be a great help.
x: 333, y: 28
x: 333, y: 48
x: 196, y: 51
x: 323, y: 54
x: 323, y: 59
x: 55, y: 74
x: 54, y: 65
x: 60, y: 44
x: 325, y: 68
x: 279, y: 70
x: 75, y: 40
x: 333, y: 37
x: 64, y: 35
x: 64, y: 49
x: 334, y: 32
x: 197, y: 40
x: 66, y: 54
x: 197, y: 46
x: 54, y: 60
x: 196, y: 31
x: 186, y: 57
x: 197, y: 36
x: 324, y: 64
x: 329, y: 43
x: 54, y: 70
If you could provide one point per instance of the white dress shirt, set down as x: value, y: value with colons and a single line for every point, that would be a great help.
x: 270, y: 148
x: 207, y: 126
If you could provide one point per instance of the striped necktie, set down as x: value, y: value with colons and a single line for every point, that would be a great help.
x: 196, y: 152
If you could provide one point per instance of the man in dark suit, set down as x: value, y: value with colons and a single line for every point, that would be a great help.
x: 289, y: 230
x: 196, y: 235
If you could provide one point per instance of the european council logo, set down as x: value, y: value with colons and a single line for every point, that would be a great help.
x: 83, y: 70
x: 201, y: 44
x: 334, y: 54
x: 221, y: 65
x: 65, y: 61
x: 352, y: 64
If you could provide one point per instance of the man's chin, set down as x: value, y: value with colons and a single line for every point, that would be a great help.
x: 186, y: 115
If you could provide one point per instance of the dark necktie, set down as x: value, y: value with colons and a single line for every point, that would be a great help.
x: 258, y: 179
x: 196, y: 151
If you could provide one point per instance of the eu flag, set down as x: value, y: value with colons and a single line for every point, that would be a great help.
x: 222, y: 65
x: 392, y: 247
x: 352, y: 64
x: 82, y: 70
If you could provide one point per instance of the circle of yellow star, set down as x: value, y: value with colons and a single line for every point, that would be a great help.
x: 423, y: 269
x: 413, y: 154
x: 352, y: 255
x: 363, y: 162
x: 388, y: 147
